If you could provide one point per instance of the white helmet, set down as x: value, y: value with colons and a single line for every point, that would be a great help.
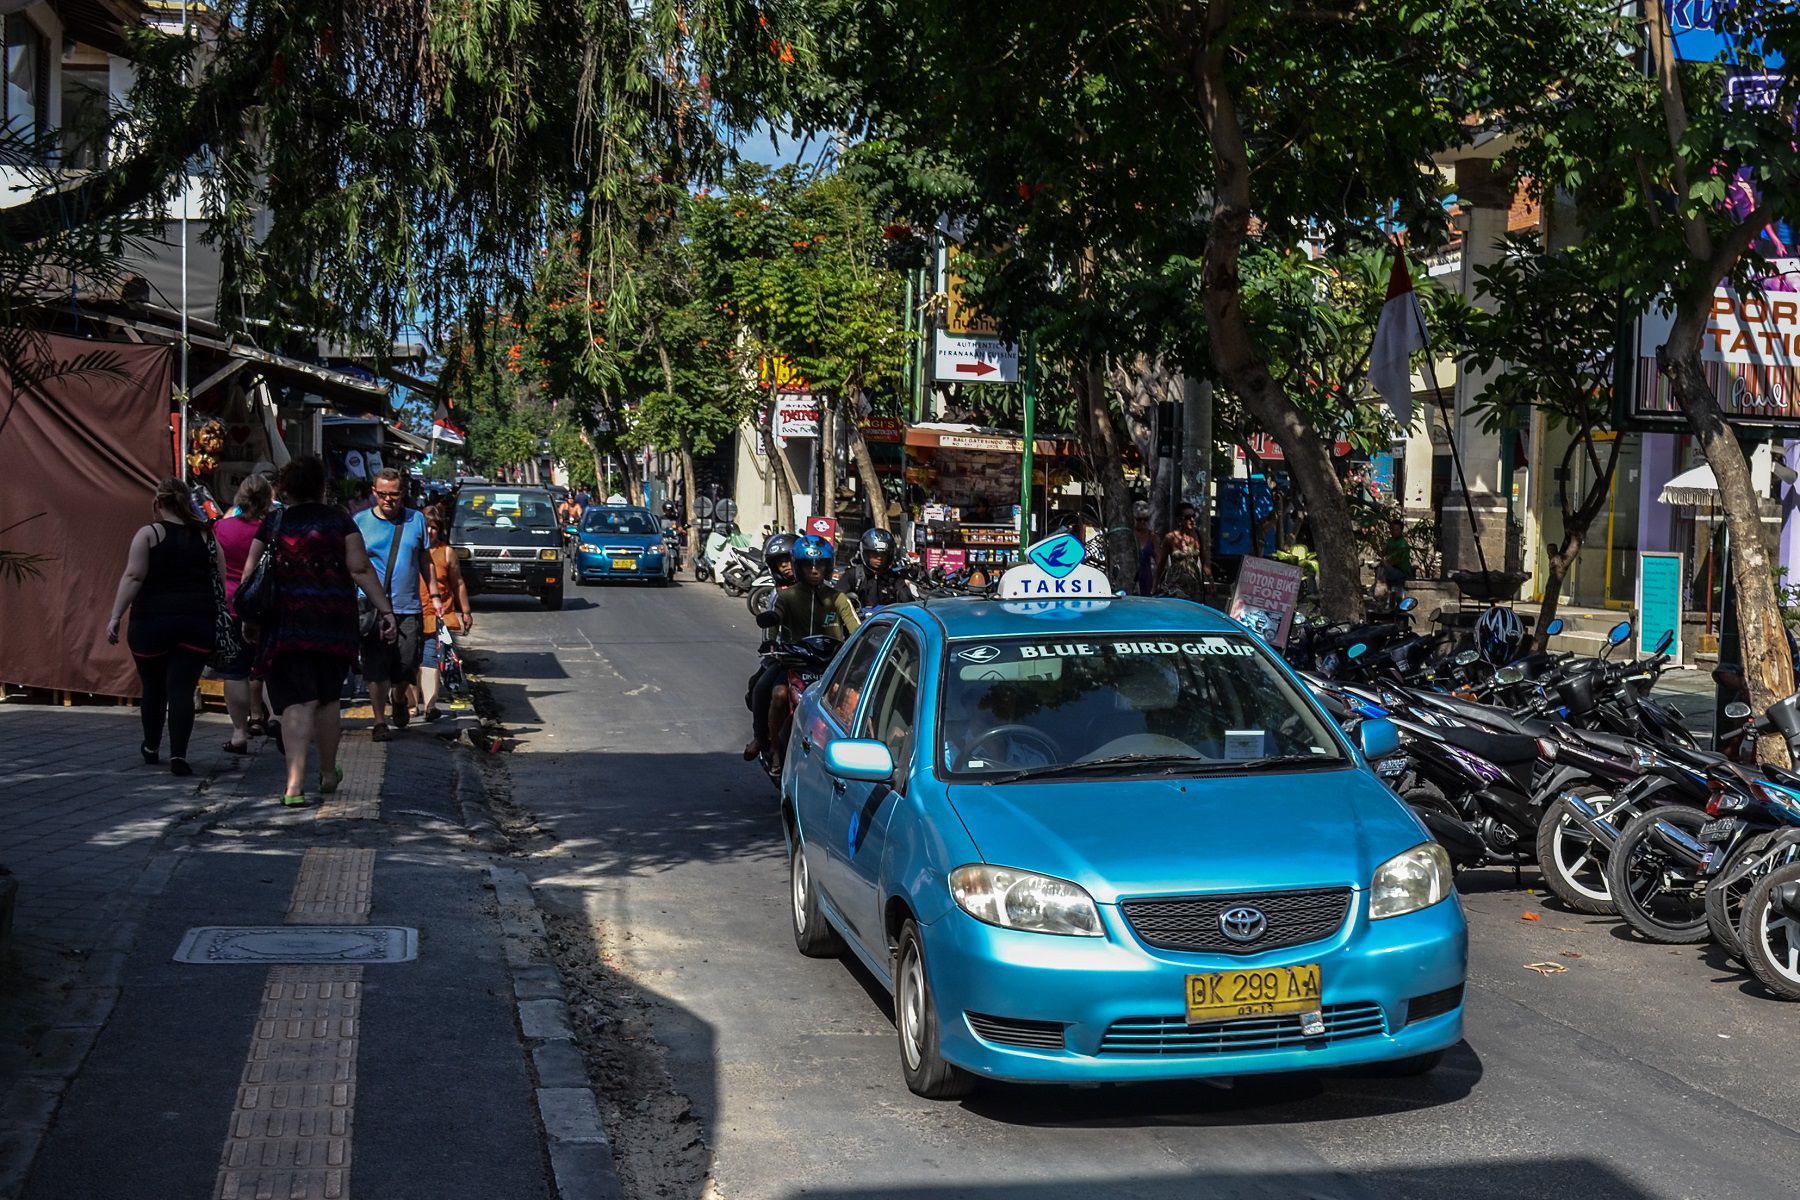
x: 1498, y: 634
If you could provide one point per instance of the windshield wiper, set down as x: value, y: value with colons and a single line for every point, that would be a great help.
x: 1170, y: 764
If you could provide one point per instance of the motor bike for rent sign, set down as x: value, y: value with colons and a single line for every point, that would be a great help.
x: 1265, y: 597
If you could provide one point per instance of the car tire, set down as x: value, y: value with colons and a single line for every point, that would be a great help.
x: 813, y: 934
x: 927, y: 1072
x: 552, y: 600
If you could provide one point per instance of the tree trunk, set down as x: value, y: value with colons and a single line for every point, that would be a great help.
x: 865, y: 471
x: 1109, y: 465
x: 779, y: 470
x: 1308, y: 454
x: 689, y: 494
x: 825, y: 503
x: 1768, y: 667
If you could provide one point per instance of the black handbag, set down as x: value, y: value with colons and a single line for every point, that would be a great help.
x: 259, y: 591
x: 228, y: 644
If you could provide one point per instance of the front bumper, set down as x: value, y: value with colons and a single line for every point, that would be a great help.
x: 534, y: 576
x: 1116, y: 985
x: 592, y: 566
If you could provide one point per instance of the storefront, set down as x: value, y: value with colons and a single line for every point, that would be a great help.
x: 963, y: 491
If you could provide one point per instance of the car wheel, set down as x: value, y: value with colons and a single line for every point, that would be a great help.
x: 813, y: 935
x: 916, y: 1020
x: 552, y: 600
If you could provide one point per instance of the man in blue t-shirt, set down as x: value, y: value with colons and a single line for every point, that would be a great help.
x: 400, y: 551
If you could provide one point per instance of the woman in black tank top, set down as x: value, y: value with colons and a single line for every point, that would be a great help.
x: 168, y: 586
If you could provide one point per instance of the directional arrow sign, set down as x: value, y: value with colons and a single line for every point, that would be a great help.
x: 975, y: 360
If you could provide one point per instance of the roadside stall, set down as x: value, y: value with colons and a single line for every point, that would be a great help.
x: 964, y: 481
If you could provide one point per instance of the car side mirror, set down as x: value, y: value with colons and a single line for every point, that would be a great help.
x: 1379, y: 737
x: 768, y: 619
x: 863, y: 759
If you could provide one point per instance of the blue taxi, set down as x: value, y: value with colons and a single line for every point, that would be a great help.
x: 619, y: 541
x: 1112, y: 840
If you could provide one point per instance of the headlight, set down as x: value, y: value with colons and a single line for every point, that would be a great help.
x: 1411, y: 881
x: 1020, y: 900
x: 549, y: 555
x: 464, y: 553
x: 589, y: 548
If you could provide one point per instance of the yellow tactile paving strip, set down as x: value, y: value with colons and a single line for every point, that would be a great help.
x: 290, y: 1131
x: 359, y: 797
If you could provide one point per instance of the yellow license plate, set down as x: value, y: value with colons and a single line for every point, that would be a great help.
x: 624, y: 564
x: 1222, y: 995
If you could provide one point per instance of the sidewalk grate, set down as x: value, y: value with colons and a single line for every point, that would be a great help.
x: 298, y: 945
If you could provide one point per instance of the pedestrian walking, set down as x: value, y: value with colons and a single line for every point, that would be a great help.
x: 1146, y: 544
x: 235, y: 533
x: 1181, y: 570
x: 447, y: 575
x: 304, y: 657
x: 167, y: 586
x: 399, y: 547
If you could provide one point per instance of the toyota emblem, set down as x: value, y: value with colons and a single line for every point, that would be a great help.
x: 1243, y: 924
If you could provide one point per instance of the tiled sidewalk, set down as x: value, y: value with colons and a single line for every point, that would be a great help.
x: 81, y: 815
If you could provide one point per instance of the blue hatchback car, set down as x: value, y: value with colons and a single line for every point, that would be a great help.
x: 1112, y: 841
x: 620, y: 542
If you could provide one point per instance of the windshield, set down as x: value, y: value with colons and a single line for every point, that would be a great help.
x: 619, y: 520
x: 1164, y: 701
x: 503, y: 512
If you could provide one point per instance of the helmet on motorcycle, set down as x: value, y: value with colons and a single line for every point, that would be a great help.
x: 878, y: 543
x: 1498, y: 634
x: 812, y: 548
x: 779, y: 547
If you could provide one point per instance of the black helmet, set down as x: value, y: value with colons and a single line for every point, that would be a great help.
x: 778, y: 547
x: 878, y: 541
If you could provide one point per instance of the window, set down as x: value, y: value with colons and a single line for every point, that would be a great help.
x: 846, y: 686
x: 893, y: 709
x: 27, y: 77
x: 84, y: 117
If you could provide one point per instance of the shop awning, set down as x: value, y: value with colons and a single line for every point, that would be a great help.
x: 979, y: 438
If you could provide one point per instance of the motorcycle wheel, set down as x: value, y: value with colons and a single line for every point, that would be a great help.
x: 761, y: 598
x: 702, y: 573
x: 1771, y: 934
x: 731, y: 586
x: 1572, y: 862
x: 1654, y: 892
x: 1725, y: 901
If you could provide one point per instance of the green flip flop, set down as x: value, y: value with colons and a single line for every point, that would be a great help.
x: 328, y: 786
x: 294, y: 801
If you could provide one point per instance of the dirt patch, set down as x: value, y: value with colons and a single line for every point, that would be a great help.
x: 657, y: 1138
x: 519, y: 829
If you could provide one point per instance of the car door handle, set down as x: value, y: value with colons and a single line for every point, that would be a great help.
x: 837, y: 785
x: 806, y: 744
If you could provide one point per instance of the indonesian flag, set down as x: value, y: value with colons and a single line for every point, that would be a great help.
x: 444, y: 428
x: 1400, y: 331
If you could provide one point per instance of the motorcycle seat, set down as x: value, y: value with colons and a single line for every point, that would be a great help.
x: 1501, y: 749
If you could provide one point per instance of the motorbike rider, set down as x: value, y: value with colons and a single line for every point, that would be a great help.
x: 810, y: 607
x: 778, y: 554
x: 877, y: 578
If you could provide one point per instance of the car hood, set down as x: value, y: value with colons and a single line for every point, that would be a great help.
x: 505, y: 537
x: 1149, y: 836
x: 603, y: 539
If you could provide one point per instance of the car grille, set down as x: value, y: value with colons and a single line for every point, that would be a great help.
x: 1434, y: 1004
x: 1011, y: 1031
x: 509, y: 553
x: 1192, y: 922
x: 624, y: 551
x: 1173, y: 1035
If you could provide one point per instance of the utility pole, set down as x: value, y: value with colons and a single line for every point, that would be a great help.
x: 1196, y: 454
x: 1030, y: 442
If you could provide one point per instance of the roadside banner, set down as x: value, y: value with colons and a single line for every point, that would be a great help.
x: 1266, y: 595
x: 1659, y: 602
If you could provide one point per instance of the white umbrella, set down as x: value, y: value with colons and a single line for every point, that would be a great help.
x: 1692, y: 488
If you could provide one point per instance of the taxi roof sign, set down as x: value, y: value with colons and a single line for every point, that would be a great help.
x: 1053, y: 570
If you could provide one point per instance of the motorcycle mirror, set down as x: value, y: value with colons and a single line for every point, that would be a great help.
x: 1507, y: 676
x: 768, y: 619
x: 1737, y: 710
x: 1618, y: 633
x: 1466, y: 658
x: 1664, y: 642
x: 1554, y: 627
x: 1356, y: 651
x: 1409, y: 603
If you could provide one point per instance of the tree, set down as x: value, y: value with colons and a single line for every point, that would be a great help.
x: 1679, y: 174
x: 1121, y: 137
x: 1553, y: 327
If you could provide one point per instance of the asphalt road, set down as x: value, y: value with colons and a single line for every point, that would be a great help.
x: 1639, y: 1071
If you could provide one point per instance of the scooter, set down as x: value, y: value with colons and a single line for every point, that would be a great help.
x: 805, y: 661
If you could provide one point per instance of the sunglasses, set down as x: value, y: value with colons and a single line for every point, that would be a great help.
x: 387, y: 495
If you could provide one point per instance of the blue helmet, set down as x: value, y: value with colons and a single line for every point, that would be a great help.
x: 812, y: 548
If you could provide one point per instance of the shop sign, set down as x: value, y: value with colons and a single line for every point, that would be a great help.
x: 957, y: 441
x: 825, y: 527
x: 1659, y: 602
x: 882, y: 430
x: 796, y: 417
x: 961, y: 317
x: 1265, y: 597
x: 965, y: 359
x: 780, y: 371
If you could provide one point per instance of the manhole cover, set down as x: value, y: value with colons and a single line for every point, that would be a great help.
x: 299, y: 944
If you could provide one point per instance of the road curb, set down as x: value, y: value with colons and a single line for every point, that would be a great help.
x: 471, y: 802
x: 581, y: 1158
